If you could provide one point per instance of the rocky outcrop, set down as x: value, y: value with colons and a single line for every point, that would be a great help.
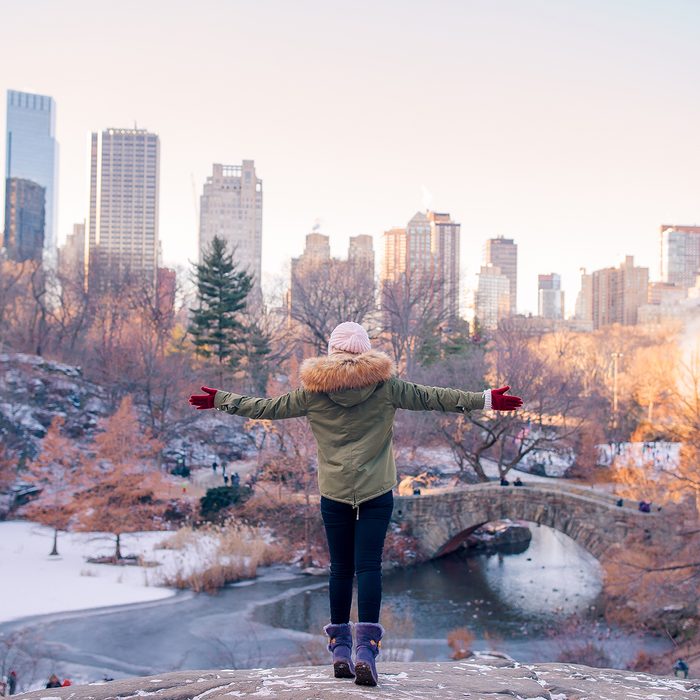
x: 476, y: 680
x: 33, y: 390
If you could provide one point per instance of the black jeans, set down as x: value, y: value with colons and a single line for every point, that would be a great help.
x: 356, y: 546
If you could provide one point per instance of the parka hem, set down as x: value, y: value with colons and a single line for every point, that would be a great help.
x: 361, y: 501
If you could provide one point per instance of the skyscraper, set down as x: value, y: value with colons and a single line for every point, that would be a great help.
x: 231, y: 209
x: 122, y: 226
x: 361, y: 255
x: 419, y: 259
x: 618, y: 293
x: 427, y: 250
x: 316, y: 255
x: 24, y: 219
x: 32, y: 153
x: 492, y: 301
x: 503, y: 253
x: 444, y: 247
x: 583, y: 312
x: 394, y: 262
x: 680, y: 254
x: 550, y: 297
x: 71, y: 255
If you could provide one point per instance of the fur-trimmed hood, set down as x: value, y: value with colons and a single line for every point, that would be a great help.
x: 343, y: 370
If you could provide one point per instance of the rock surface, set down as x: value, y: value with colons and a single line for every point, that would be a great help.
x: 476, y: 680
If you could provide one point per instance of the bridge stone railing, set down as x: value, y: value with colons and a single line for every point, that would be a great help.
x: 441, y: 519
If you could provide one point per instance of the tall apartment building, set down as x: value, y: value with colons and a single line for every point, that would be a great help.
x: 680, y: 255
x: 122, y: 229
x: 361, y: 255
x: 550, y: 297
x: 503, y: 253
x: 24, y: 219
x: 231, y: 209
x: 492, y: 299
x: 419, y: 258
x: 394, y: 262
x: 583, y: 311
x: 317, y: 253
x: 427, y: 250
x: 444, y: 248
x: 617, y: 293
x: 71, y: 255
x: 32, y: 154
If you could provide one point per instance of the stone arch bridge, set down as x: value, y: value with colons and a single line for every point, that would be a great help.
x: 441, y: 519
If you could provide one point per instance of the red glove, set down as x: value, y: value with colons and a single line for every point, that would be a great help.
x: 204, y: 401
x: 501, y: 402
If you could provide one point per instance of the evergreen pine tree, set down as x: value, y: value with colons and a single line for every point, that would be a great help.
x: 216, y: 327
x: 259, y: 362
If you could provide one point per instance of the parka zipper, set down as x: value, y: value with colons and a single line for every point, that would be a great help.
x: 356, y: 505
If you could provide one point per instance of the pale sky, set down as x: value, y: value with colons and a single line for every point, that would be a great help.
x: 568, y: 125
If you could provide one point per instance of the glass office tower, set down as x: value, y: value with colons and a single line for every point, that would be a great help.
x: 32, y: 153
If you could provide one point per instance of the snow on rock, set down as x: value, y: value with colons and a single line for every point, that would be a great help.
x: 33, y: 390
x: 419, y: 681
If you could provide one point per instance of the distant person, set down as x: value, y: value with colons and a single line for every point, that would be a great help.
x: 350, y: 397
x: 518, y: 482
x: 619, y: 503
x: 11, y: 682
x: 504, y: 481
x: 644, y: 507
x: 235, y: 479
x: 65, y: 683
x: 54, y: 681
x: 214, y: 465
x: 225, y: 480
x: 681, y: 667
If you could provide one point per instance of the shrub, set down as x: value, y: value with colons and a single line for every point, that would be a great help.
x: 217, y: 499
x: 214, y: 555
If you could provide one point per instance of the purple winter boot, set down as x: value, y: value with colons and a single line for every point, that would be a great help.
x: 368, y: 637
x: 340, y: 643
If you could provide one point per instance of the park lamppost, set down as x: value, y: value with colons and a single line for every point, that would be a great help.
x: 615, y: 356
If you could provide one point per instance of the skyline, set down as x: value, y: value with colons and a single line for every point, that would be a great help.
x: 565, y: 126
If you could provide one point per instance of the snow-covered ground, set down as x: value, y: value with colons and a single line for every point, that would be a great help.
x: 34, y: 583
x: 441, y: 458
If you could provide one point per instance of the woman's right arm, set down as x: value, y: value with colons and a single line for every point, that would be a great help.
x: 289, y: 405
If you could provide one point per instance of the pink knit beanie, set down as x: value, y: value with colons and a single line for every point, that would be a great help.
x: 349, y: 337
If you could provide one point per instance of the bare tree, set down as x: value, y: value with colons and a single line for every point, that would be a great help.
x: 12, y: 288
x: 324, y: 296
x: 551, y: 418
x: 413, y: 313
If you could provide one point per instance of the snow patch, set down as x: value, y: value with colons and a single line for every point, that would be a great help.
x: 38, y: 584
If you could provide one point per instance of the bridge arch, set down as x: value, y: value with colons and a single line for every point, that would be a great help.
x: 441, y: 519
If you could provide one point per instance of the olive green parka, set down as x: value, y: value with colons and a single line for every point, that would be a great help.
x: 350, y: 401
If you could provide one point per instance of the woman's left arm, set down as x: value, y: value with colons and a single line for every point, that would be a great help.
x: 418, y: 397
